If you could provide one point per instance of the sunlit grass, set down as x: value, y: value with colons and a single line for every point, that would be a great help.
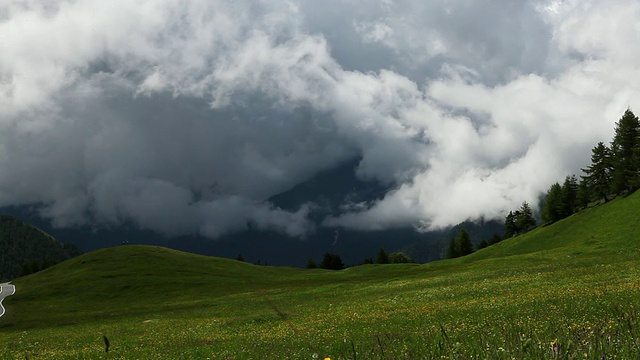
x: 567, y: 291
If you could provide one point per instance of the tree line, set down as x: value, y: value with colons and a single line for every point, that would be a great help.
x: 614, y: 171
x: 332, y: 261
x: 461, y: 244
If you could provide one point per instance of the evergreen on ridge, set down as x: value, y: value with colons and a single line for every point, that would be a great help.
x: 613, y: 171
x: 625, y: 146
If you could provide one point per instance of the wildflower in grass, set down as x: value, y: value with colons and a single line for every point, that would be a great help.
x: 555, y: 349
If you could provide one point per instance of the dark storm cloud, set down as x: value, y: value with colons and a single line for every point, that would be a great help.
x: 184, y: 117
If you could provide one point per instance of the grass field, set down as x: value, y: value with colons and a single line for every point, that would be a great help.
x: 566, y: 291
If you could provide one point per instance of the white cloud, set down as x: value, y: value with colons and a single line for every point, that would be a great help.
x: 183, y: 117
x: 536, y: 129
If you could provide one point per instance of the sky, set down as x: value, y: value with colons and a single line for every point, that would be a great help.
x: 184, y: 117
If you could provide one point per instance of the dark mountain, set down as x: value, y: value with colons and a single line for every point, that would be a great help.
x: 23, y: 246
x: 353, y: 246
x: 327, y: 191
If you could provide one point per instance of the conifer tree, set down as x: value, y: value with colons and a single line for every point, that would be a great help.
x: 525, y: 220
x: 452, y: 251
x: 569, y: 195
x: 625, y: 151
x: 496, y: 238
x: 463, y: 244
x: 552, y: 204
x: 311, y: 264
x: 332, y: 261
x: 598, y: 174
x: 510, y: 228
x: 583, y: 197
x: 382, y: 258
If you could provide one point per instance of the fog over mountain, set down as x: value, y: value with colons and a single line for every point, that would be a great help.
x: 185, y: 117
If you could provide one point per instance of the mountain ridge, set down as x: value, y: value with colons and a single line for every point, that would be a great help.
x: 26, y: 248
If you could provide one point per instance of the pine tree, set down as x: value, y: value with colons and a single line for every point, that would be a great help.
x: 496, y: 238
x: 552, y: 204
x: 598, y: 174
x: 510, y: 229
x: 382, y: 258
x: 332, y: 261
x: 525, y: 220
x: 583, y: 197
x: 625, y: 153
x: 569, y: 195
x: 310, y: 264
x: 463, y: 244
x: 452, y: 251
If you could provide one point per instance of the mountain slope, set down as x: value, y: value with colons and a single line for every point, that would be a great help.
x: 22, y: 244
x: 611, y: 228
x: 568, y: 290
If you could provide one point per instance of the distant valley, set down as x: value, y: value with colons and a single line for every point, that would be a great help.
x: 327, y: 190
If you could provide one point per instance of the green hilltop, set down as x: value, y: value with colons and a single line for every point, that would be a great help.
x: 565, y: 291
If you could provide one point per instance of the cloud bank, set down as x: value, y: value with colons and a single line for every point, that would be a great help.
x: 184, y: 117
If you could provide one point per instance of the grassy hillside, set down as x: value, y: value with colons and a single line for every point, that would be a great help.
x: 569, y: 290
x: 22, y: 244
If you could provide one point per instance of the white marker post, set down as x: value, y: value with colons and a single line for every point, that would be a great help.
x: 6, y: 289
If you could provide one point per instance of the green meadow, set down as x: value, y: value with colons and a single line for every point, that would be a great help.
x: 570, y: 290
